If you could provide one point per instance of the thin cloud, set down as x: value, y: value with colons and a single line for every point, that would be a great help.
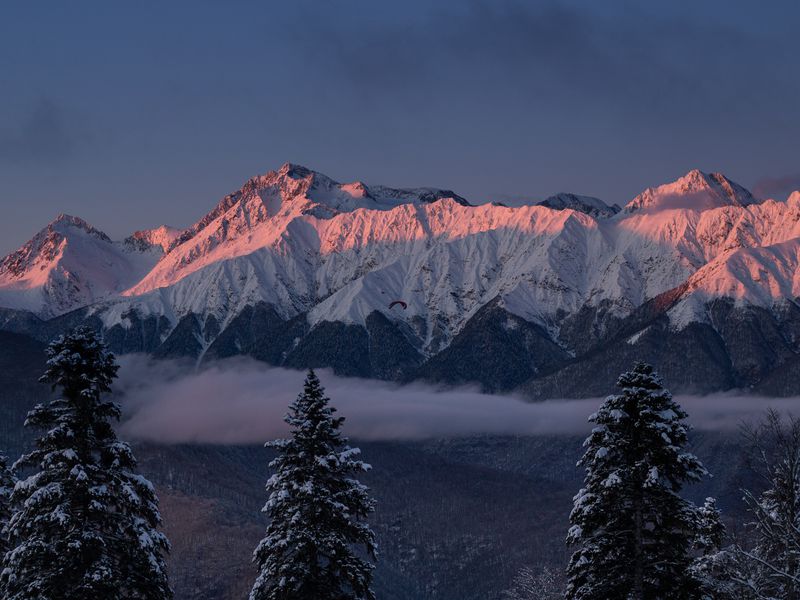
x: 243, y: 402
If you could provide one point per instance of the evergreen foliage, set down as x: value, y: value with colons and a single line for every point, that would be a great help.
x: 7, y: 481
x: 634, y: 532
x: 316, y: 510
x: 85, y: 524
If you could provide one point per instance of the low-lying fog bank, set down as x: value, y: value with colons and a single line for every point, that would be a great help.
x: 243, y: 401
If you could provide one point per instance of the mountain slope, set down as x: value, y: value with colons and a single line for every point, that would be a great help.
x: 298, y: 269
x: 694, y: 191
x: 67, y: 265
x: 162, y: 237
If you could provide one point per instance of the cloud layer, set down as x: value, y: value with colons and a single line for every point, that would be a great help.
x: 243, y: 402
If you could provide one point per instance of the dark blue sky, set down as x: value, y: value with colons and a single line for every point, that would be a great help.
x: 133, y: 114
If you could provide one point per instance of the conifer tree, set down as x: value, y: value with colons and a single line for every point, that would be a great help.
x: 709, y: 528
x: 7, y: 481
x: 633, y: 530
x: 85, y: 524
x: 316, y: 510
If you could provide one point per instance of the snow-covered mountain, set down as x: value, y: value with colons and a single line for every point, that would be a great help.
x: 162, y: 237
x: 299, y: 269
x: 591, y: 206
x: 70, y: 264
x: 695, y: 191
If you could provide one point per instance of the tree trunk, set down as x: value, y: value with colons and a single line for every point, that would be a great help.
x: 638, y: 566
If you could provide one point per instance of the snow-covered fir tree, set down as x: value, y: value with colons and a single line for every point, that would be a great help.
x: 633, y: 530
x: 7, y: 482
x: 317, y: 544
x: 709, y: 530
x: 711, y: 562
x: 85, y: 524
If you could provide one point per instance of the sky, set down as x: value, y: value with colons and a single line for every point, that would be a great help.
x: 135, y: 114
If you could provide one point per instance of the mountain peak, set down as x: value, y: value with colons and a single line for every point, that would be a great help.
x: 294, y: 171
x: 344, y: 196
x: 64, y: 222
x: 70, y: 264
x: 694, y: 178
x: 160, y: 237
x: 298, y: 178
x: 66, y: 265
x: 48, y: 243
x: 697, y: 190
x: 593, y: 207
x: 68, y: 219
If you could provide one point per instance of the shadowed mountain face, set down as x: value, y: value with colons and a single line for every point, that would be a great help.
x: 553, y: 298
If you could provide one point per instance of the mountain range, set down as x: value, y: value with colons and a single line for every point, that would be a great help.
x: 550, y: 298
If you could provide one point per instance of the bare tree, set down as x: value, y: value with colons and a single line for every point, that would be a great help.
x: 775, y: 458
x: 764, y: 564
x: 534, y: 585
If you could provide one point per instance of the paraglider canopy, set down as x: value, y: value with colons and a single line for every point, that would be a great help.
x: 398, y: 303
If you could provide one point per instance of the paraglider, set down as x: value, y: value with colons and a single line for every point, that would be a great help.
x: 398, y: 303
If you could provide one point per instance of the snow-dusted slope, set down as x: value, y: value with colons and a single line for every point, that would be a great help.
x: 298, y: 240
x: 304, y: 243
x: 270, y: 208
x: 162, y: 238
x: 694, y: 191
x: 69, y: 264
